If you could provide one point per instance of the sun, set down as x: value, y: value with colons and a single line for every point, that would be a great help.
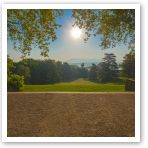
x: 76, y: 32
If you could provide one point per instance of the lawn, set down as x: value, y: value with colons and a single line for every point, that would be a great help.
x: 79, y: 85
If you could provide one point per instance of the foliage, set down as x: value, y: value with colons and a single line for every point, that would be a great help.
x: 10, y: 65
x: 93, y: 73
x: 130, y: 85
x: 128, y: 65
x: 48, y: 71
x: 15, y: 82
x: 103, y: 73
x: 111, y: 66
x: 114, y: 26
x: 22, y: 70
x: 106, y: 71
x: 83, y: 71
x: 27, y: 27
x: 42, y: 72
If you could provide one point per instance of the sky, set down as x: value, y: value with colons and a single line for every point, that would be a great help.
x: 66, y: 47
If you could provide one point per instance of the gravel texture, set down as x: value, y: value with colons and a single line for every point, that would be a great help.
x: 71, y: 114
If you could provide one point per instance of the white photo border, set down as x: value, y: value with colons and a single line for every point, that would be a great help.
x: 137, y: 73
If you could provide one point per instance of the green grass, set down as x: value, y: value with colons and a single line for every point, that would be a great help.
x: 79, y: 85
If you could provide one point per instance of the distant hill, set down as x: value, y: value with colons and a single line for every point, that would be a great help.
x: 87, y: 62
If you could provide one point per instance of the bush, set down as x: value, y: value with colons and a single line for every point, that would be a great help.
x: 130, y: 85
x: 15, y: 82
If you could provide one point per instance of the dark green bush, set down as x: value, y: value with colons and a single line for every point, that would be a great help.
x: 130, y: 85
x: 15, y: 82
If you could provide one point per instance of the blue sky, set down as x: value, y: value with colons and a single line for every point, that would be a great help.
x: 66, y: 47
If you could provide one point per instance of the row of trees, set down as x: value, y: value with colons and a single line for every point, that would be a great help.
x: 47, y: 71
x: 30, y: 71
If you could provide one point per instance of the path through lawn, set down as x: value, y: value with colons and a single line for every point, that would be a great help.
x: 79, y: 85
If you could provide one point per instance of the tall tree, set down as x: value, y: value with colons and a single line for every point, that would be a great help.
x: 108, y: 69
x: 27, y: 27
x: 110, y: 61
x: 115, y: 26
x: 102, y: 72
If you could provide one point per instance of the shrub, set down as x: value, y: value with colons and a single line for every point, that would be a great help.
x: 15, y: 82
x: 130, y: 85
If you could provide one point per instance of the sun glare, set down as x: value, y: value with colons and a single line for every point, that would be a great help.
x: 76, y: 32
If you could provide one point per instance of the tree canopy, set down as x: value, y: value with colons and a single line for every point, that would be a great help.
x: 27, y: 27
x: 115, y: 26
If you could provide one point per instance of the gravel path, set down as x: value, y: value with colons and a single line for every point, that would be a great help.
x: 71, y: 114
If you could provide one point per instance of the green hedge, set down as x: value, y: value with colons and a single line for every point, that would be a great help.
x: 15, y: 82
x: 130, y: 85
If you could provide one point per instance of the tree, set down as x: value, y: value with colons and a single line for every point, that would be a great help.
x: 67, y: 72
x: 110, y: 61
x: 115, y: 26
x: 49, y: 72
x: 83, y: 71
x: 27, y: 27
x: 22, y: 69
x: 10, y: 65
x: 102, y: 73
x: 34, y: 70
x: 108, y: 69
x: 14, y: 82
x: 93, y: 73
x: 128, y: 65
x: 59, y: 67
x: 46, y: 71
x: 42, y: 71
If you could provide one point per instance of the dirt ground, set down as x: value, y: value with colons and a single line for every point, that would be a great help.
x: 71, y: 114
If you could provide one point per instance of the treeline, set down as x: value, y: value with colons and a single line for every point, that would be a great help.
x: 30, y: 71
x: 48, y: 71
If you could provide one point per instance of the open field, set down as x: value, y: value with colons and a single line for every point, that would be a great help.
x: 79, y: 85
x: 71, y: 114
